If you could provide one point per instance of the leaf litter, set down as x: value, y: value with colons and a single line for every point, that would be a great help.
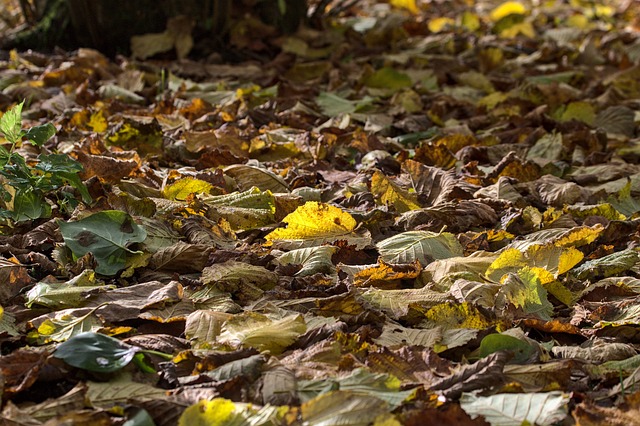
x: 426, y: 210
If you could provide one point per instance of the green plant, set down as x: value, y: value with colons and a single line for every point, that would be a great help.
x: 26, y: 185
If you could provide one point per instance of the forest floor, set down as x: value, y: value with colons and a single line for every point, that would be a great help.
x: 427, y: 210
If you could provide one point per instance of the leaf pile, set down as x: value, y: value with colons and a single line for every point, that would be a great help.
x: 424, y: 211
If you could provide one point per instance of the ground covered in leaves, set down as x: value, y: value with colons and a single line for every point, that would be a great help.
x: 425, y: 211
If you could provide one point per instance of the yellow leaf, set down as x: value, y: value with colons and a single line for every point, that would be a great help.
x: 385, y: 275
x: 542, y: 275
x: 47, y: 327
x: 436, y: 25
x: 463, y: 315
x: 409, y: 5
x: 560, y: 292
x: 470, y: 21
x: 603, y: 209
x: 578, y: 21
x: 437, y: 155
x: 552, y: 259
x: 315, y: 220
x: 391, y: 194
x: 182, y: 188
x: 524, y: 28
x: 506, y: 9
x: 579, y: 236
x: 581, y: 111
x: 525, y: 291
x: 456, y: 141
x: 98, y: 122
x: 217, y: 412
x: 386, y: 419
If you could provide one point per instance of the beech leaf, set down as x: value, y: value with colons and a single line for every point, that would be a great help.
x: 509, y: 409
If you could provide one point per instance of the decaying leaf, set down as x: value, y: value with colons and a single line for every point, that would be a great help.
x: 377, y: 212
x: 314, y: 224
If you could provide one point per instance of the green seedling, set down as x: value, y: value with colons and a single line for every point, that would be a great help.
x: 26, y: 187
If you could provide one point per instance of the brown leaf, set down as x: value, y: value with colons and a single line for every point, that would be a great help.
x: 20, y: 370
x: 411, y: 364
x: 486, y: 373
x: 127, y: 303
x: 180, y: 257
x: 14, y: 278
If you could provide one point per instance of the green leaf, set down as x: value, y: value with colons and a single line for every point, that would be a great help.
x: 62, y: 169
x: 522, y: 350
x: 74, y: 180
x: 515, y: 409
x: 607, y: 266
x: 394, y: 334
x: 96, y: 352
x: 38, y: 135
x: 8, y: 323
x: 56, y: 163
x: 29, y: 205
x: 11, y: 123
x: 396, y: 303
x: 250, y: 367
x: 525, y: 292
x: 106, y: 235
x: 423, y: 246
x: 333, y: 105
x: 140, y: 418
x: 388, y: 78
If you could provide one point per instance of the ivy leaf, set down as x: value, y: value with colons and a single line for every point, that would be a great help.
x: 106, y: 235
x: 96, y: 352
